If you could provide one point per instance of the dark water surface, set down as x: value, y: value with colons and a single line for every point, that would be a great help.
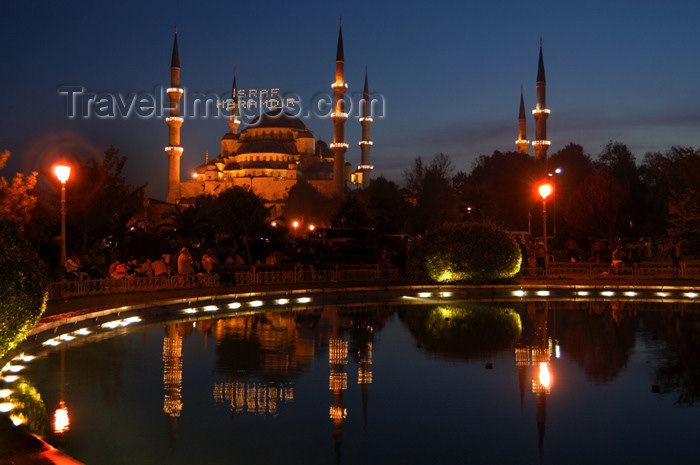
x: 512, y: 383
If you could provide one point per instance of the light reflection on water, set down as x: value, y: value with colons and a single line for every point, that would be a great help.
x: 529, y: 382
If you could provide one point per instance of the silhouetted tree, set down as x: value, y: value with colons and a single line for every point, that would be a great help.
x: 503, y: 184
x: 431, y: 188
x: 240, y: 213
x: 307, y: 203
x: 675, y: 177
x: 598, y: 207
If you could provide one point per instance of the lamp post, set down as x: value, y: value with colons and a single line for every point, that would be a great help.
x: 556, y: 171
x: 545, y: 190
x: 63, y: 173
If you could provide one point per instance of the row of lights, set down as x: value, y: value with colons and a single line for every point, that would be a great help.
x: 581, y: 293
x: 546, y: 293
x: 239, y: 305
x: 121, y: 323
x: 8, y: 374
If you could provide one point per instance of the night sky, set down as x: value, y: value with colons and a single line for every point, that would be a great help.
x: 448, y: 74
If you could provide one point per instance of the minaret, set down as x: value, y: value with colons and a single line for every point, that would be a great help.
x: 233, y: 122
x: 522, y: 141
x: 339, y: 117
x: 365, y: 143
x: 541, y: 112
x: 174, y: 149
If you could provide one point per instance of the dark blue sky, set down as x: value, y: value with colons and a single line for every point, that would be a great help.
x: 449, y: 74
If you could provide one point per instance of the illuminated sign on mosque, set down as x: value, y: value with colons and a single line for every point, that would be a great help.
x: 253, y: 99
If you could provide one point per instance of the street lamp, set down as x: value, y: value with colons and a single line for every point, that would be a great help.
x: 556, y: 171
x: 545, y: 190
x: 63, y: 173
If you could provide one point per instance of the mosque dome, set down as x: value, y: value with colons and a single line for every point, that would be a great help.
x: 277, y: 118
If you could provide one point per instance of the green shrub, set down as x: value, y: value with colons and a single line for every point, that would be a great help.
x: 23, y: 288
x: 469, y: 252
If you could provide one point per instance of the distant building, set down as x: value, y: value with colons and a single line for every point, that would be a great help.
x: 541, y: 113
x: 273, y: 152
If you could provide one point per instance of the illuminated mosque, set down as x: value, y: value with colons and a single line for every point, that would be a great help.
x: 273, y: 152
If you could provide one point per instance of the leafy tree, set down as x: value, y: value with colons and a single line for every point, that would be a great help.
x: 431, y: 187
x: 675, y: 176
x: 617, y: 160
x: 598, y: 207
x: 307, y: 203
x: 353, y: 213
x: 186, y: 224
x: 499, y: 188
x: 386, y: 205
x: 574, y: 165
x: 16, y: 198
x: 98, y: 198
x: 23, y: 287
x: 240, y: 213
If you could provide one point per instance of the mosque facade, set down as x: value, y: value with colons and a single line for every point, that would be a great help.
x: 273, y: 152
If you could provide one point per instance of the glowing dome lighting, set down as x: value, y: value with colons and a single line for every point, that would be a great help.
x: 5, y: 393
x: 15, y: 368
x: 424, y: 295
x: 234, y: 305
x: 189, y: 311
x: 133, y: 319
x: 304, y: 300
x: 255, y: 303
x: 66, y: 337
x: 519, y: 293
x: 10, y: 379
x: 82, y: 332
x: 630, y: 293
x: 18, y: 420
x: 51, y: 342
x: 545, y: 190
x: 211, y: 308
x: 691, y: 295
x: 583, y: 293
x: 543, y: 293
x: 607, y: 293
x: 282, y: 301
x: 446, y: 294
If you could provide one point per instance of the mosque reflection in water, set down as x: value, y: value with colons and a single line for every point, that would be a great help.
x: 259, y: 357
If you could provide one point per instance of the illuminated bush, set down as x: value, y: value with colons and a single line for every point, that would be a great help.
x: 23, y: 288
x: 469, y: 252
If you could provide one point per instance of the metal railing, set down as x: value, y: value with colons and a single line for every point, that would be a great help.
x: 254, y: 276
x: 648, y: 270
x: 84, y: 287
x: 306, y: 275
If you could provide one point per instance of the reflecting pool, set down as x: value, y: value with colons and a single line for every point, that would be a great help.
x: 452, y: 382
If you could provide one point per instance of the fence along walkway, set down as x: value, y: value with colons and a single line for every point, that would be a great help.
x: 267, y: 275
x: 641, y: 270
